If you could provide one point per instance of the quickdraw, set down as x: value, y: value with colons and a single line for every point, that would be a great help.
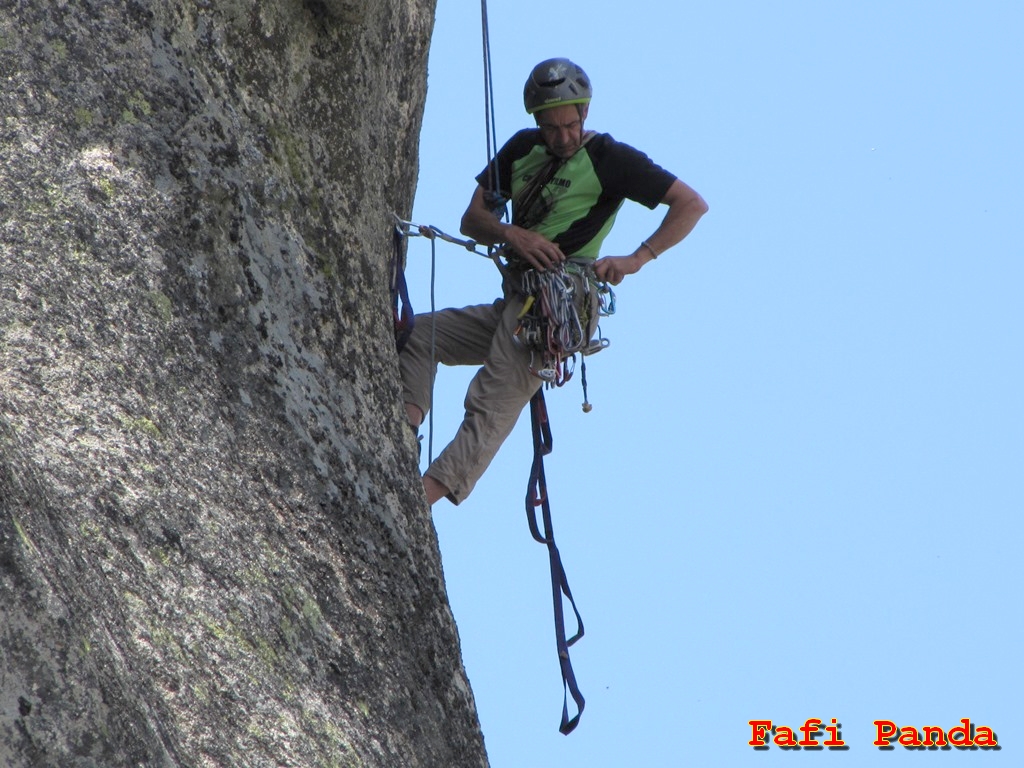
x: 550, y: 325
x: 405, y: 228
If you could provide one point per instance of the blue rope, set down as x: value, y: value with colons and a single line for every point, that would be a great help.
x: 490, y: 129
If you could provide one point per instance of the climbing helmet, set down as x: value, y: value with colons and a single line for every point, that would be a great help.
x: 555, y: 82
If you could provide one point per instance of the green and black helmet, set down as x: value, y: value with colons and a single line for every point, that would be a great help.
x: 556, y: 82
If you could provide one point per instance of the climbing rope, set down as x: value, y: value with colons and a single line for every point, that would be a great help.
x: 490, y: 123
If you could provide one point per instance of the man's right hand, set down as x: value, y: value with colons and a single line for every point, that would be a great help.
x: 541, y: 253
x: 479, y: 223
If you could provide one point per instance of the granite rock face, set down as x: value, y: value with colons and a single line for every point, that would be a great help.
x: 214, y: 549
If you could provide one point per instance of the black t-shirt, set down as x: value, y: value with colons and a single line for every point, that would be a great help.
x: 576, y: 207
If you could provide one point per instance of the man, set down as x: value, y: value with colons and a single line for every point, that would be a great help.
x: 566, y: 184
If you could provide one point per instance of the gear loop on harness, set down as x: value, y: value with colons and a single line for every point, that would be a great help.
x: 550, y: 323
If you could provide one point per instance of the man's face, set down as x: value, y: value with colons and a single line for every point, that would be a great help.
x: 561, y: 128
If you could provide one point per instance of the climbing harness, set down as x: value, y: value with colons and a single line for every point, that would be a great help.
x: 551, y: 327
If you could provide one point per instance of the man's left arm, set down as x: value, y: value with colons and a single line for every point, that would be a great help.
x: 685, y: 207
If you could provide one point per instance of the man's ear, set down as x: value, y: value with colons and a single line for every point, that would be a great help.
x: 584, y: 111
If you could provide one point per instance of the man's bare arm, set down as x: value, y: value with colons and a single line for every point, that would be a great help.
x: 479, y: 223
x: 685, y: 207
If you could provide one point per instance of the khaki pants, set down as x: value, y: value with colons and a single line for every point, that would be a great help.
x: 477, y: 335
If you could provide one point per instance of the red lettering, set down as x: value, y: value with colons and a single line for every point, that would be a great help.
x: 884, y: 733
x: 960, y: 736
x: 833, y: 739
x: 810, y: 727
x: 909, y: 737
x: 759, y: 732
x: 984, y: 737
x: 784, y: 736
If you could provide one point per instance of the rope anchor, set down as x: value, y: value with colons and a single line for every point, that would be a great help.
x: 412, y: 229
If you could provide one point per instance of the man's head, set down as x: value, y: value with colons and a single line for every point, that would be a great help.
x: 558, y: 94
x: 561, y: 128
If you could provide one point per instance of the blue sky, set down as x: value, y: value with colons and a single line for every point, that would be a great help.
x: 799, y: 493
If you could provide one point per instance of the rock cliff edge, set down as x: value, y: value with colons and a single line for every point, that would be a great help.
x: 214, y: 550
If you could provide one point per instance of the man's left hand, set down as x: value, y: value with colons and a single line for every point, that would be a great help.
x: 612, y: 269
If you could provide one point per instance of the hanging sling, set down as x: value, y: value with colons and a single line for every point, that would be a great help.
x: 537, y: 496
x: 401, y: 309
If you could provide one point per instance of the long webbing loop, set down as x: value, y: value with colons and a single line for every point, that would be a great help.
x: 401, y: 309
x: 537, y: 496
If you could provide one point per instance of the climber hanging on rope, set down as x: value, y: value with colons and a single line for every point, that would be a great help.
x: 565, y: 184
